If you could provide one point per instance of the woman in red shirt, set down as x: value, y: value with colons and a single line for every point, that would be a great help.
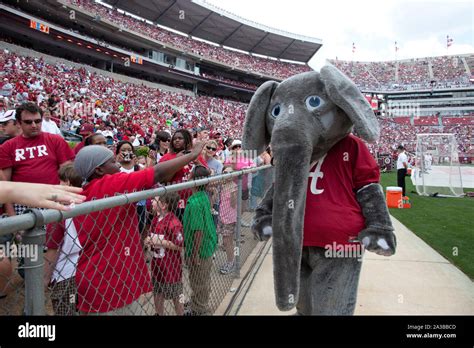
x: 181, y: 143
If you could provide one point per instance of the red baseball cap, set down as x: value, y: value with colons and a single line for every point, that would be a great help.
x: 86, y: 129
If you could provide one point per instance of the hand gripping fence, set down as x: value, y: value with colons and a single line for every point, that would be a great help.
x: 173, y: 250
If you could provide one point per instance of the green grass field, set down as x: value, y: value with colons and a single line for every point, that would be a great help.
x: 444, y: 223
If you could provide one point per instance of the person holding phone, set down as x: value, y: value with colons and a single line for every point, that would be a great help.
x: 127, y: 160
x: 125, y: 152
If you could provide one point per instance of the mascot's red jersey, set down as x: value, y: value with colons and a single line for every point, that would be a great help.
x: 332, y: 213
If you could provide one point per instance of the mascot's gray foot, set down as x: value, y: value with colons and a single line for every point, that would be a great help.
x: 262, y: 227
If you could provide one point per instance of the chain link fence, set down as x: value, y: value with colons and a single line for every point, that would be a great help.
x: 142, y: 253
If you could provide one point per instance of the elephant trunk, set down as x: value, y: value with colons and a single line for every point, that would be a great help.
x: 292, y: 162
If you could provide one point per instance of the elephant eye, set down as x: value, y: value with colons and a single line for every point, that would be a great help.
x: 313, y: 102
x: 276, y: 110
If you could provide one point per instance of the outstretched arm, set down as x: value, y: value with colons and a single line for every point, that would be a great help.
x: 378, y: 235
x: 40, y: 195
x: 164, y: 171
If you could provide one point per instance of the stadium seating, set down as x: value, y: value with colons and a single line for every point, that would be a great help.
x: 426, y: 121
x: 144, y: 108
x: 414, y: 74
x: 243, y: 61
x: 448, y: 121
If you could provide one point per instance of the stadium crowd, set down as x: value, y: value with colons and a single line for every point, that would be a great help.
x: 448, y: 72
x: 79, y: 96
x: 134, y: 112
x: 259, y: 65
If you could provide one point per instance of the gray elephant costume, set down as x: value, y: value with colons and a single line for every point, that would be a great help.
x: 308, y: 119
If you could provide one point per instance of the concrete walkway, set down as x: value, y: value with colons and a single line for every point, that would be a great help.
x: 415, y: 281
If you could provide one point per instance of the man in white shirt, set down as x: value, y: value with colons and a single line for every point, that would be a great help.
x: 402, y: 166
x: 76, y: 123
x: 48, y: 125
x: 428, y: 161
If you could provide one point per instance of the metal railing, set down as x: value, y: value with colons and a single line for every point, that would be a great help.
x: 29, y: 296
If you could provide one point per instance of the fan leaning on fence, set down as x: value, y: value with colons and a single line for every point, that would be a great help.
x: 111, y: 272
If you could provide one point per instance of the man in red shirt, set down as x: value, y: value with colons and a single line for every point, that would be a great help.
x: 34, y: 156
x: 111, y: 273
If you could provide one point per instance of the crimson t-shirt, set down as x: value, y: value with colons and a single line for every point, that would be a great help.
x: 166, y: 265
x: 182, y: 175
x: 111, y: 272
x: 332, y: 213
x: 79, y: 147
x: 37, y: 159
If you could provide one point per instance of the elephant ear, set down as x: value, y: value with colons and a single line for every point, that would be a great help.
x: 256, y: 134
x: 345, y: 94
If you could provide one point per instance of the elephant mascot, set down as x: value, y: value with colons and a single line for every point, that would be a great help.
x: 326, y: 197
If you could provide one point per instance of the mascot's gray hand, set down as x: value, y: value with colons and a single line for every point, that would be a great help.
x: 382, y: 242
x: 262, y: 227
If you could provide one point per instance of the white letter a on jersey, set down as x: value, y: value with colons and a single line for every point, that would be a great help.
x: 315, y: 176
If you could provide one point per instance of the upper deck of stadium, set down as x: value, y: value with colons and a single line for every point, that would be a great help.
x: 200, y: 19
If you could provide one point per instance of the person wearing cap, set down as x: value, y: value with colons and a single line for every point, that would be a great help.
x: 112, y: 273
x: 9, y: 127
x: 86, y: 130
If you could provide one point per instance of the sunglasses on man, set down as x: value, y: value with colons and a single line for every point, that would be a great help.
x: 211, y: 148
x: 30, y: 122
x: 236, y: 147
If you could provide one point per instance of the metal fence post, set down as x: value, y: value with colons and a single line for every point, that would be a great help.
x: 238, y: 229
x: 33, y: 241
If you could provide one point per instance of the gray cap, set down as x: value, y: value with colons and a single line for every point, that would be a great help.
x: 89, y: 158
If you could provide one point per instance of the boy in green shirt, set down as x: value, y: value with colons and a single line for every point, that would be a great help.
x: 200, y: 241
